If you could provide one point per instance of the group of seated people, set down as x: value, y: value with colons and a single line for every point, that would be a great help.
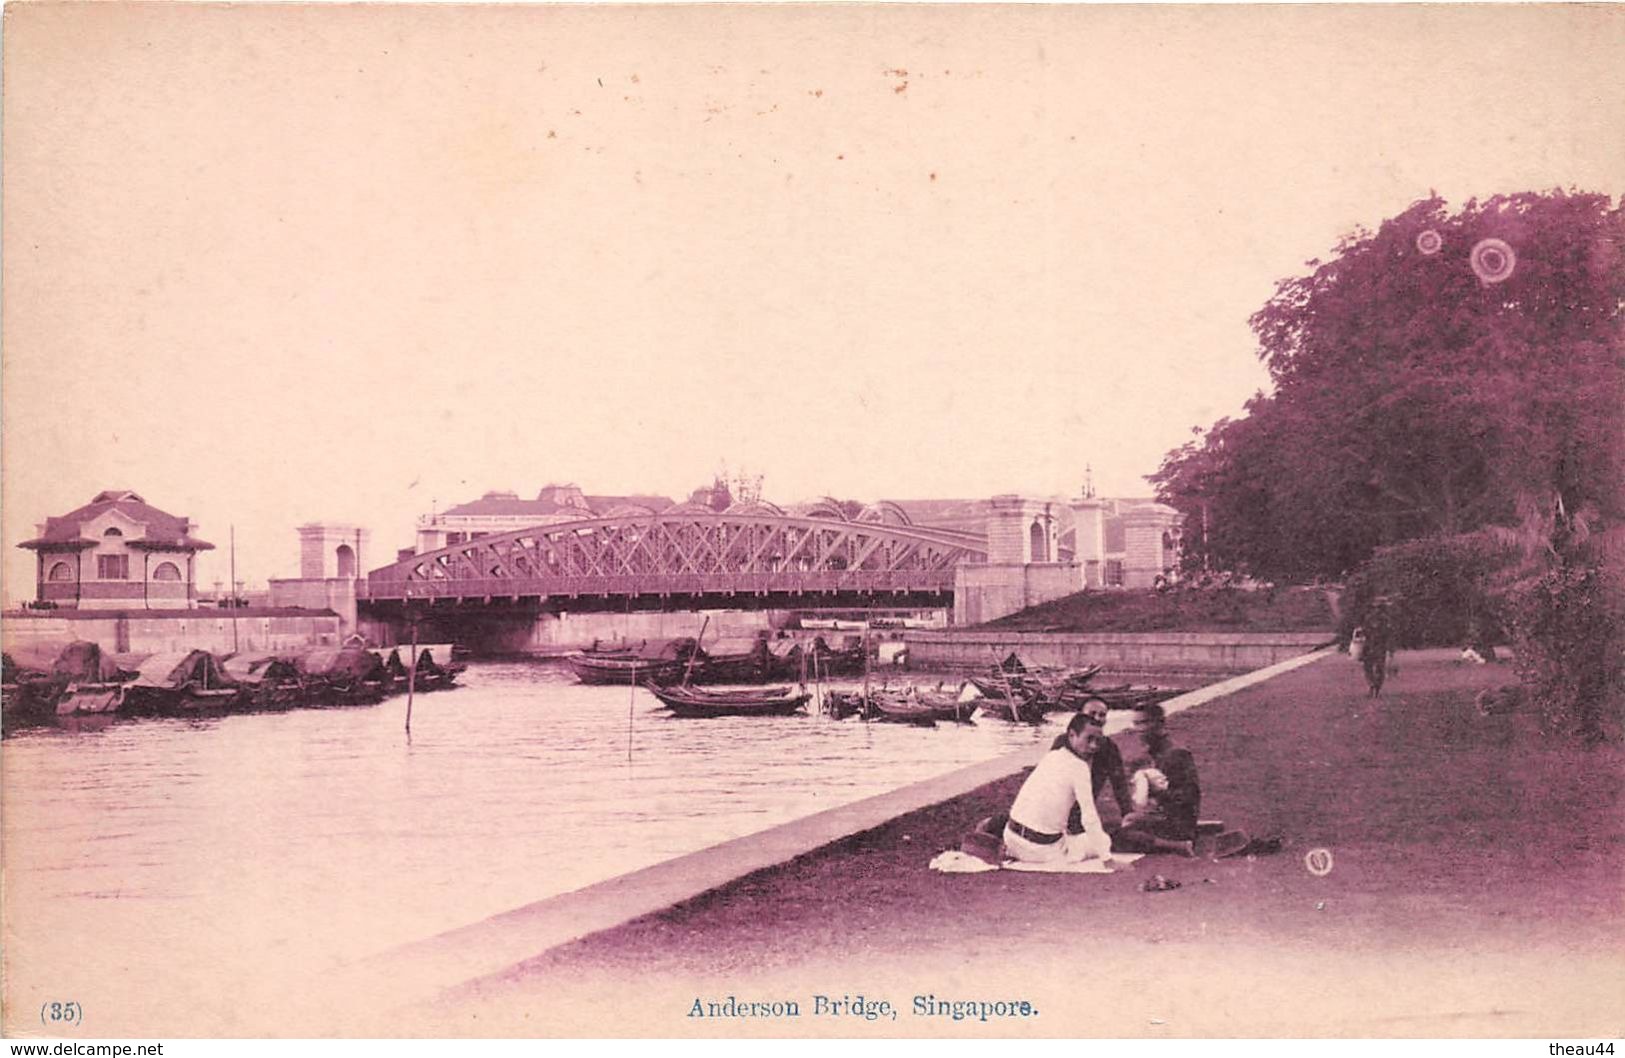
x: 1054, y: 816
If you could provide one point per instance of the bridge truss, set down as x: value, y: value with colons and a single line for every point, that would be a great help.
x: 686, y: 552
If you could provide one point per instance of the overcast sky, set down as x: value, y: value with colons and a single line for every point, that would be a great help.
x: 274, y: 265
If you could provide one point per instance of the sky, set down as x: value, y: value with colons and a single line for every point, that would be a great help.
x: 274, y: 265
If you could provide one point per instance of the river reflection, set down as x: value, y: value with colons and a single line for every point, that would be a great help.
x: 153, y: 861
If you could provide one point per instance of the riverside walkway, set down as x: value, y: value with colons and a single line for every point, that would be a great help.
x: 427, y: 968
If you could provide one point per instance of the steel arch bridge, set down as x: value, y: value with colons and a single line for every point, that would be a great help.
x: 761, y: 551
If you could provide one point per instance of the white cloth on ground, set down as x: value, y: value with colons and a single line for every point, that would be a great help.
x: 956, y: 862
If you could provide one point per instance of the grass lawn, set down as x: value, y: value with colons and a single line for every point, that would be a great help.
x: 1212, y: 610
x: 1476, y: 891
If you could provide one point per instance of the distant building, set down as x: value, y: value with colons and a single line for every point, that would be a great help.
x: 501, y: 512
x: 1135, y: 540
x: 117, y: 553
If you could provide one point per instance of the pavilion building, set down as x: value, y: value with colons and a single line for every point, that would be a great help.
x: 117, y: 552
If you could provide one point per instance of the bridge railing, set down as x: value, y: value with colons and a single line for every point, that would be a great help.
x: 661, y: 584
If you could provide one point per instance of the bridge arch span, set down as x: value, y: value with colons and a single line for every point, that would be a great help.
x: 687, y: 551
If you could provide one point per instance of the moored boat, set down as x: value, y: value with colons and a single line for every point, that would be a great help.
x: 267, y: 680
x: 627, y: 667
x: 349, y: 675
x: 689, y: 701
x: 897, y: 707
x: 175, y: 682
x: 29, y: 686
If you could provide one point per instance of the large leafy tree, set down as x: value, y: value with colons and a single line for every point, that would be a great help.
x: 1424, y: 387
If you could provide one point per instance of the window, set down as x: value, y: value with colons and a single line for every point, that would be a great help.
x: 1114, y: 572
x: 113, y: 567
x: 60, y: 572
x: 112, y: 530
x: 166, y: 571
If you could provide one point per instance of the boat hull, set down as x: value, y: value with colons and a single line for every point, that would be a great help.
x: 697, y: 704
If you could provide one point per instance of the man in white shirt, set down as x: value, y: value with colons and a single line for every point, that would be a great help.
x: 1037, y: 828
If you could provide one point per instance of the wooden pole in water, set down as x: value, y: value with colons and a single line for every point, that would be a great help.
x: 631, y: 700
x: 412, y: 676
x: 233, y: 589
x: 688, y: 673
x: 866, y: 675
x: 1009, y: 692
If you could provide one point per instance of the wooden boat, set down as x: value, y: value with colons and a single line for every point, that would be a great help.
x: 692, y: 701
x: 95, y: 682
x: 845, y: 661
x: 842, y: 704
x: 349, y: 675
x: 949, y: 708
x: 1003, y: 709
x: 753, y: 665
x: 267, y: 681
x: 176, y: 682
x: 29, y: 685
x: 435, y: 671
x: 897, y: 707
x: 626, y: 667
x: 1128, y: 696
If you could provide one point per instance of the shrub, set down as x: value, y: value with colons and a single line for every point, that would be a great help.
x: 1569, y: 636
x: 1438, y: 591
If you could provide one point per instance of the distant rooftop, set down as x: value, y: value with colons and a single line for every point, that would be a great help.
x: 160, y: 527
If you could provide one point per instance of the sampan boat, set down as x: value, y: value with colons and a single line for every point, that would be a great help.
x: 623, y: 667
x: 688, y: 701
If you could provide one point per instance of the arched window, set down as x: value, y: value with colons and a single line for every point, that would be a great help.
x: 346, y: 561
x: 112, y: 530
x: 1039, y: 541
x: 166, y: 571
x: 61, y: 571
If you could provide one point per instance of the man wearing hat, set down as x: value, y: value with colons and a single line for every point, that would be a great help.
x: 1062, y: 781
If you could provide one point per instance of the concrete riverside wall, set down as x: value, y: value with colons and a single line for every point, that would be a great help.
x: 988, y: 591
x: 564, y: 632
x: 423, y: 969
x: 334, y: 593
x: 137, y: 632
x: 1171, y: 653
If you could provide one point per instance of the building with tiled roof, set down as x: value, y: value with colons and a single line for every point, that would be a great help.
x: 501, y: 512
x: 117, y: 552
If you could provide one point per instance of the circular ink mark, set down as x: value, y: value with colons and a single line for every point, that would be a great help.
x: 1318, y: 862
x: 1430, y: 242
x: 1493, y: 260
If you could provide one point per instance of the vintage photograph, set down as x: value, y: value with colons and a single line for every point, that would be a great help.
x: 784, y: 521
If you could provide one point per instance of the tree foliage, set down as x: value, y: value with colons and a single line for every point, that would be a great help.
x: 1413, y: 398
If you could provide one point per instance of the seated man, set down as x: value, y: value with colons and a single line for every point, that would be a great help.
x: 1106, y: 766
x: 1036, y: 831
x: 1167, y: 823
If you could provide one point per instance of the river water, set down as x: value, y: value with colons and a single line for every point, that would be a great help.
x: 155, y: 865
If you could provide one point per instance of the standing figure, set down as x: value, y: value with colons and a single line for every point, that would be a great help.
x: 1379, y: 645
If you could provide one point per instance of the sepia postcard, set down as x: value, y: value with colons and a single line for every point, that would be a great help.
x: 812, y: 520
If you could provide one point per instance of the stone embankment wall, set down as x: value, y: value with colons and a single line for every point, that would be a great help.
x: 1164, y: 653
x: 152, y: 632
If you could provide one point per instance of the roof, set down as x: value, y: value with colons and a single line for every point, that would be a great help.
x: 161, y: 527
x: 508, y: 505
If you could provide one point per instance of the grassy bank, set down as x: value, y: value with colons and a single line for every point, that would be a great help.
x: 1214, y: 610
x: 1476, y: 890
